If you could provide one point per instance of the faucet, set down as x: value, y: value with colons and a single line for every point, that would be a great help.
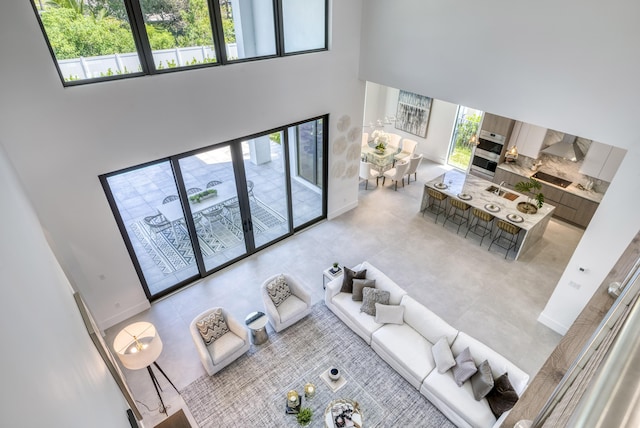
x: 499, y: 191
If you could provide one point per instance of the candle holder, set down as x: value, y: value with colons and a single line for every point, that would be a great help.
x: 309, y: 390
x: 293, y: 402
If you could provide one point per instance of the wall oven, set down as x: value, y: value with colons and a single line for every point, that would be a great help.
x: 486, y: 154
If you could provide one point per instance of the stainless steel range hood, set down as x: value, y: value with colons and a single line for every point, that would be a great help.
x: 569, y: 147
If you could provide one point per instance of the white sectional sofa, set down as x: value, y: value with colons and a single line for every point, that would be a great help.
x: 407, y: 348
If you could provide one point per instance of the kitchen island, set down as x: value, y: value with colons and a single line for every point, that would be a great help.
x: 457, y: 183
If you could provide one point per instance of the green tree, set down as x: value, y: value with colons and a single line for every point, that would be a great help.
x: 197, y: 30
x: 467, y: 128
x: 160, y: 38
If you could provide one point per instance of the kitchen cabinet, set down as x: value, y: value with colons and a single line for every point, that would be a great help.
x: 510, y: 179
x: 602, y: 161
x: 527, y: 138
x: 497, y: 124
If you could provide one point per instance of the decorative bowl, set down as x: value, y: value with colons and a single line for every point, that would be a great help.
x: 334, y: 374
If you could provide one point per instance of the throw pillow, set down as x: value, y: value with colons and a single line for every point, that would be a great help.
x: 482, y: 381
x: 465, y: 367
x: 358, y: 285
x: 278, y: 290
x: 349, y: 276
x: 212, y: 327
x: 502, y: 397
x: 389, y: 314
x: 442, y: 355
x: 371, y: 296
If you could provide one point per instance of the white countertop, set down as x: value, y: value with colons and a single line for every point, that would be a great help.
x: 572, y: 188
x: 458, y: 182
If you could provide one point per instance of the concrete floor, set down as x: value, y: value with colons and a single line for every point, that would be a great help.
x: 477, y: 291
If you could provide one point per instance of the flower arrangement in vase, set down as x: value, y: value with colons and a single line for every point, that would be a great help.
x: 380, y: 139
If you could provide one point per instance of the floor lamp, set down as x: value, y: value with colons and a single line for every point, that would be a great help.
x: 138, y: 345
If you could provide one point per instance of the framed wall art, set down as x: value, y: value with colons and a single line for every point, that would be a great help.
x: 413, y: 113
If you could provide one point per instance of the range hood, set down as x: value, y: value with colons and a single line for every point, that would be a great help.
x: 567, y: 148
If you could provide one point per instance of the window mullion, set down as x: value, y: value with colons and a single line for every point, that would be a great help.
x: 277, y: 4
x: 136, y: 20
x: 215, y: 16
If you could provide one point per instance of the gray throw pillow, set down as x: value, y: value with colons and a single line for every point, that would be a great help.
x: 389, y: 314
x: 278, y: 290
x: 502, y: 397
x: 465, y: 367
x: 442, y: 355
x: 349, y: 276
x: 212, y: 327
x: 482, y: 381
x: 371, y: 296
x: 358, y: 285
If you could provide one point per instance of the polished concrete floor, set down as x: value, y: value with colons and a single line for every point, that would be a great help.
x: 477, y: 291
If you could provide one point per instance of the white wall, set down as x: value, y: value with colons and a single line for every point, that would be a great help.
x: 52, y: 375
x: 61, y: 139
x: 562, y: 65
x: 382, y: 101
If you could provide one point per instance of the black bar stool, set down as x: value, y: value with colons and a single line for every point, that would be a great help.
x: 483, y: 225
x: 507, y: 242
x: 436, y: 200
x: 457, y: 213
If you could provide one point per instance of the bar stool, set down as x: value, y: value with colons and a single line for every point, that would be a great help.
x: 457, y: 213
x: 436, y: 199
x: 508, y: 242
x: 481, y: 227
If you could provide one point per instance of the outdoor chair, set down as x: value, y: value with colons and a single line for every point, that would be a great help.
x: 226, y: 348
x: 212, y: 215
x: 156, y: 224
x: 285, y: 300
x: 213, y: 183
x: 193, y: 190
x: 250, y: 189
x: 170, y: 198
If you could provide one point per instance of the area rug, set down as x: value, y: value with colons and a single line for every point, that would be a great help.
x: 242, y: 394
x: 171, y: 254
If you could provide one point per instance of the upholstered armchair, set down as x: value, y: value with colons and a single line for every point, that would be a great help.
x: 232, y: 342
x: 287, y: 304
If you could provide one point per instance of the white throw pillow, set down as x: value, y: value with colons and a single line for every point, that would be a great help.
x: 389, y: 314
x: 442, y: 355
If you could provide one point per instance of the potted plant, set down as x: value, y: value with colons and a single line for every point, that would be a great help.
x: 304, y: 416
x: 529, y: 189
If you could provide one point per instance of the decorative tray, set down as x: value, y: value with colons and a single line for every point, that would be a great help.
x: 515, y: 218
x: 440, y: 186
x: 343, y: 413
x: 492, y: 208
x: 465, y: 196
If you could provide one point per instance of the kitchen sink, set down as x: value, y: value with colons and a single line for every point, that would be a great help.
x: 503, y: 193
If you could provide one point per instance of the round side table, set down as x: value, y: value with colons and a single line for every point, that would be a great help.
x: 257, y: 324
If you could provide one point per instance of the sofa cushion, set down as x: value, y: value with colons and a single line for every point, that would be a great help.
x: 225, y: 346
x: 213, y: 326
x: 442, y: 355
x: 351, y: 310
x: 428, y: 324
x: 465, y: 367
x: 290, y: 308
x: 358, y: 285
x: 349, y: 276
x: 502, y: 397
x: 408, y: 349
x: 371, y: 296
x: 278, y: 290
x: 383, y: 282
x: 482, y: 381
x: 458, y: 398
x: 389, y: 314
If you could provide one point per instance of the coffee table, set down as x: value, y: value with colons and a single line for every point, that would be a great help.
x: 371, y: 412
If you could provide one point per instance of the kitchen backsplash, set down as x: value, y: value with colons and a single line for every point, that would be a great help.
x: 563, y: 168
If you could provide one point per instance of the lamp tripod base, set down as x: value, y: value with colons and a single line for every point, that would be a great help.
x: 156, y: 385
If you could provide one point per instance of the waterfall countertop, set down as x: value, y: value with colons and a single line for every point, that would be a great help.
x: 456, y: 184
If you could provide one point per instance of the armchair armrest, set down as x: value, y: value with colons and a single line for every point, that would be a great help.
x: 236, y: 327
x: 298, y: 289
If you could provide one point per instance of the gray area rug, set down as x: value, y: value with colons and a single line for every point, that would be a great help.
x: 251, y: 391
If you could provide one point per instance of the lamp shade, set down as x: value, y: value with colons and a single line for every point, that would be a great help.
x: 138, y: 345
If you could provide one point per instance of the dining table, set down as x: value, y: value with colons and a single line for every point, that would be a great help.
x: 382, y: 160
x: 481, y: 194
x: 174, y: 213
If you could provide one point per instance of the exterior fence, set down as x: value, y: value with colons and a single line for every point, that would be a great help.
x: 108, y: 65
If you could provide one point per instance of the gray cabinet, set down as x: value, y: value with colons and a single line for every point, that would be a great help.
x: 497, y: 124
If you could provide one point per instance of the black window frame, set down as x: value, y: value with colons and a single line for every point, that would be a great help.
x: 145, y: 53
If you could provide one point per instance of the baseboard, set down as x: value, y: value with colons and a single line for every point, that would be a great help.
x: 123, y: 315
x: 552, y: 324
x: 342, y: 210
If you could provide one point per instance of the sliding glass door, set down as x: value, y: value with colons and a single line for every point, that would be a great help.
x: 192, y: 214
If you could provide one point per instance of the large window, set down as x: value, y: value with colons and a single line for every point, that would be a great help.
x: 194, y: 213
x: 461, y: 146
x: 95, y: 40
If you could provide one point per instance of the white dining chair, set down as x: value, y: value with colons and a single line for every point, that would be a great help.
x: 366, y: 172
x: 394, y: 141
x: 408, y: 149
x: 396, y: 173
x: 414, y: 163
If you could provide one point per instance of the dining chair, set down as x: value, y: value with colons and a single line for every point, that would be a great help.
x: 156, y: 224
x: 367, y: 172
x: 193, y: 190
x: 394, y: 141
x: 212, y: 215
x: 169, y: 199
x: 414, y: 163
x: 396, y: 173
x: 408, y: 148
x: 213, y: 183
